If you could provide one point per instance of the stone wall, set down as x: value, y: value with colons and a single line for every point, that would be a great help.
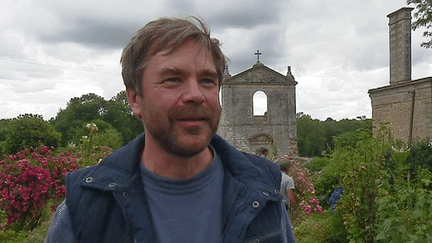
x: 277, y: 127
x: 393, y: 104
x: 405, y: 105
x: 400, y: 45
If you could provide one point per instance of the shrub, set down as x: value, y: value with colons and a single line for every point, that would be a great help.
x: 404, y: 204
x: 27, y: 131
x: 420, y: 156
x: 95, y: 134
x: 325, y: 227
x: 28, y: 180
x: 304, y: 192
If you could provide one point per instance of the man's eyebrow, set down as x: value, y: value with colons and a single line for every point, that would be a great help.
x: 170, y: 71
x: 209, y: 73
x: 176, y: 71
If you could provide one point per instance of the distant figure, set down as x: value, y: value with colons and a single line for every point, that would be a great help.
x: 262, y: 152
x: 287, y: 188
x: 334, y: 197
x: 178, y: 182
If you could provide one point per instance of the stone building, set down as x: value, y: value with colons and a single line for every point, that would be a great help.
x: 244, y: 129
x: 404, y: 104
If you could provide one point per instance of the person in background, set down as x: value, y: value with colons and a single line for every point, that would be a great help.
x: 287, y: 188
x: 263, y: 152
x: 178, y: 181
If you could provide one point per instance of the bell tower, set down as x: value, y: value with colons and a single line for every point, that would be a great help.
x: 251, y: 131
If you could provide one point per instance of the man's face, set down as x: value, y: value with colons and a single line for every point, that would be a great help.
x: 180, y: 103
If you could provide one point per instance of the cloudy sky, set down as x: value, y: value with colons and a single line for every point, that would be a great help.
x: 52, y: 51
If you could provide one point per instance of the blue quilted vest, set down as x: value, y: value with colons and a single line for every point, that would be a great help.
x: 107, y: 202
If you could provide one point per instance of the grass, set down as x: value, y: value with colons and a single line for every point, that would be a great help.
x: 37, y: 235
x: 325, y: 227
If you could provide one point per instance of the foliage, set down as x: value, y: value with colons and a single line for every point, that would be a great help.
x: 304, y: 191
x: 3, y: 125
x: 28, y: 179
x: 121, y: 117
x: 420, y: 156
x: 12, y: 236
x: 29, y: 131
x: 95, y: 134
x: 34, y: 178
x: 405, y: 197
x: 316, y: 164
x: 316, y: 137
x: 310, y: 136
x: 387, y: 187
x: 423, y: 16
x: 325, y: 227
x: 405, y: 208
x: 78, y: 111
x: 3, y: 131
x: 83, y: 110
x: 36, y: 235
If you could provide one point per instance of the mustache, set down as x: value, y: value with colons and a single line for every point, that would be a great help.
x: 191, y: 111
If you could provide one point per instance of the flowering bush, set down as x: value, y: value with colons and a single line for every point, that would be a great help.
x: 28, y: 180
x: 304, y: 191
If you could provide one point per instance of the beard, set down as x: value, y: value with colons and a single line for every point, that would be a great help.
x: 172, y: 138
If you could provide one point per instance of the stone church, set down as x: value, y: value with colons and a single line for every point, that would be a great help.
x: 404, y: 104
x: 242, y: 127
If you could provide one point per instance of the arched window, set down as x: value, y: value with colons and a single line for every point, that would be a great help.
x: 259, y: 100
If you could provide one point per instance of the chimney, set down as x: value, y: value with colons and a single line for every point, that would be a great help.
x: 400, y: 45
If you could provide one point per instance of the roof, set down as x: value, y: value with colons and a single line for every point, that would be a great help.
x: 261, y: 74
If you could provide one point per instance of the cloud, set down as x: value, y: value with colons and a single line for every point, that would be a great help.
x: 245, y: 14
x: 55, y: 50
x: 92, y: 33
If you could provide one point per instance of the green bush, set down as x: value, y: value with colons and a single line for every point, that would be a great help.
x: 420, y: 156
x: 31, y: 185
x: 404, y: 206
x: 387, y: 189
x: 326, y: 227
x: 36, y: 235
x: 316, y: 164
x: 97, y: 133
x: 27, y: 131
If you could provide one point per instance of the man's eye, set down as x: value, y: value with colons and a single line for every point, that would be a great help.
x: 209, y: 81
x: 173, y: 80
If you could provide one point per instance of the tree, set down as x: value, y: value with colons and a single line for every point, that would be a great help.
x: 121, y: 117
x: 103, y: 134
x: 79, y: 110
x: 29, y: 131
x: 315, y: 136
x: 310, y: 136
x: 3, y: 131
x: 82, y: 110
x: 423, y: 15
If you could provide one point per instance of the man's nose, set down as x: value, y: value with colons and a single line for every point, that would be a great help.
x: 193, y: 92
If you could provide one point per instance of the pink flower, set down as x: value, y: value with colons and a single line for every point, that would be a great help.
x: 44, y: 149
x: 308, y: 210
x: 313, y: 201
x: 319, y: 209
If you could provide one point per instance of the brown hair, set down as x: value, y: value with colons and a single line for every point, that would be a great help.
x: 285, y: 166
x: 161, y: 34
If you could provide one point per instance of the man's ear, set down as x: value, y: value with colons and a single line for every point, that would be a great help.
x: 135, y: 101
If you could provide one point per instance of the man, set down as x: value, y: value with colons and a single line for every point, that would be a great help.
x: 287, y: 188
x: 178, y: 182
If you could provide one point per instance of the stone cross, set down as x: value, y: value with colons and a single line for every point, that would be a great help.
x: 258, y: 53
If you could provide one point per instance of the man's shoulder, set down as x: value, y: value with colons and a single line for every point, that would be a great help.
x: 122, y: 163
x: 246, y: 164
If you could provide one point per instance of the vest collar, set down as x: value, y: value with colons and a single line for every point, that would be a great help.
x: 121, y: 167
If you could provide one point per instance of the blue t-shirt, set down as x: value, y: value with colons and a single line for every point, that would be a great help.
x: 186, y: 210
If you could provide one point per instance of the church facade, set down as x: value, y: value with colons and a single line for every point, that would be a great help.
x: 241, y: 126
